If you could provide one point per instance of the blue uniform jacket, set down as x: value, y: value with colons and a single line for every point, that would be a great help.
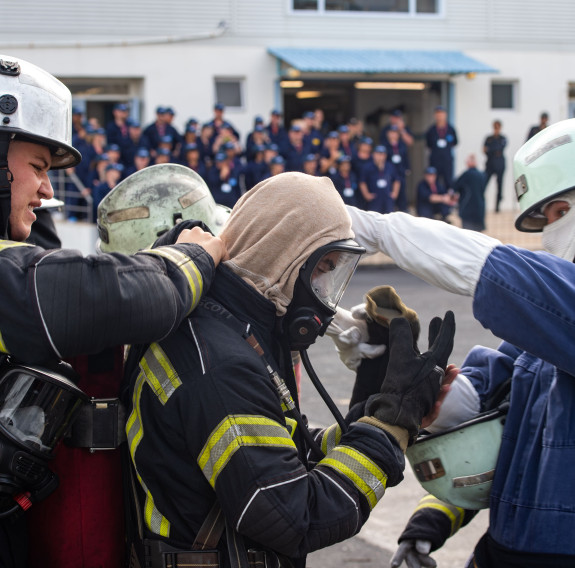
x: 527, y: 299
x: 380, y: 182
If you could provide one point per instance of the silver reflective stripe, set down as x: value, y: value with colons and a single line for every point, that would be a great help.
x: 360, y: 470
x: 161, y: 376
x: 477, y: 479
x: 234, y: 432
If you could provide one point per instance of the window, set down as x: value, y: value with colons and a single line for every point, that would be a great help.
x: 502, y: 95
x: 383, y: 6
x: 229, y: 92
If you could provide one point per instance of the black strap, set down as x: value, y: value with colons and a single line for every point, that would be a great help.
x: 6, y: 179
x: 211, y: 530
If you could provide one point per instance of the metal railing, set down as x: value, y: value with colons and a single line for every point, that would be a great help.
x: 69, y: 188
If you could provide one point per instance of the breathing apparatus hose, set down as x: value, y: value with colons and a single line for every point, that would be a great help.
x: 322, y: 392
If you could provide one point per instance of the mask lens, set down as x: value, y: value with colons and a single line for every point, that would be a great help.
x: 331, y: 275
x: 36, y: 408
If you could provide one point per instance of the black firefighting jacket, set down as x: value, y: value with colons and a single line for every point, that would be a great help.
x: 207, y: 421
x: 57, y: 303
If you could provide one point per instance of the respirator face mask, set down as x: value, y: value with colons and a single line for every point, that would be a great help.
x: 37, y: 406
x: 321, y: 283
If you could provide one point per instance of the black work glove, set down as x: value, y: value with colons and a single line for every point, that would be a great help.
x: 170, y: 237
x: 412, y: 381
x: 432, y: 522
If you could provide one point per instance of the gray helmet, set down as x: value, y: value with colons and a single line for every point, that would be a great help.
x: 543, y: 169
x: 35, y: 106
x: 150, y: 202
x: 457, y: 466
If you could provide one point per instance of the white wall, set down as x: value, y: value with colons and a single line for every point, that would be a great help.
x: 542, y: 85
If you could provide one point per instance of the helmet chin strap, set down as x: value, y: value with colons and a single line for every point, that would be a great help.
x: 6, y: 178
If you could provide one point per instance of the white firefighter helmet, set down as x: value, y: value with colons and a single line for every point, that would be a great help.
x: 150, y: 202
x: 36, y: 107
x: 543, y: 169
x: 457, y: 465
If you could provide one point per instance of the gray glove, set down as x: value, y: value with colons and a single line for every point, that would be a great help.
x: 412, y: 381
x: 415, y: 553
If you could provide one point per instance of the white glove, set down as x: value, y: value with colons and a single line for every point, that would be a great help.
x: 348, y: 330
x: 415, y: 553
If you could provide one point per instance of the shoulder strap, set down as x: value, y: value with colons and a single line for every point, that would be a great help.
x: 211, y: 530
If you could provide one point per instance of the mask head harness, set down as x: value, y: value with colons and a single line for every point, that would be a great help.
x: 37, y: 405
x: 321, y: 283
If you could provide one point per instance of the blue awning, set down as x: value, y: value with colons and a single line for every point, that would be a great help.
x: 429, y: 62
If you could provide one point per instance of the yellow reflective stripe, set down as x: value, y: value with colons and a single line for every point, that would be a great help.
x: 360, y: 470
x: 454, y: 514
x: 236, y: 431
x: 153, y: 518
x: 330, y: 438
x: 291, y: 426
x: 155, y: 521
x: 160, y: 373
x: 11, y: 244
x: 134, y: 428
x: 187, y: 266
x: 3, y: 347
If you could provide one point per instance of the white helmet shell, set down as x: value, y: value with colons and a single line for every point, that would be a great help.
x: 36, y: 107
x: 152, y: 201
x: 458, y: 465
x: 543, y: 169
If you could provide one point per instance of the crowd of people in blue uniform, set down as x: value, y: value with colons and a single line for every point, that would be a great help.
x: 368, y: 173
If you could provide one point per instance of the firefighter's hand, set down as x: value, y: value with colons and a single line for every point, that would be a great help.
x: 413, y: 380
x: 214, y: 246
x: 415, y: 553
x: 451, y: 373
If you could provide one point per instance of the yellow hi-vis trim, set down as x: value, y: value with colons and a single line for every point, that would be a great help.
x: 187, y: 266
x: 454, y: 514
x: 3, y: 347
x: 155, y: 521
x: 11, y: 244
x: 330, y: 438
x: 291, y: 425
x: 160, y: 373
x: 236, y: 431
x: 153, y: 518
x: 360, y: 470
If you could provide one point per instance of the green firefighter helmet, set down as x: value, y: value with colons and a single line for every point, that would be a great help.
x: 457, y: 465
x: 150, y: 202
x: 543, y: 168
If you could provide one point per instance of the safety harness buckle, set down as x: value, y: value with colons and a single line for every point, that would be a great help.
x: 100, y: 425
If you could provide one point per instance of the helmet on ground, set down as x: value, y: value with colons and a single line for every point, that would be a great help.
x: 543, y: 169
x: 37, y: 107
x: 150, y: 202
x: 458, y: 465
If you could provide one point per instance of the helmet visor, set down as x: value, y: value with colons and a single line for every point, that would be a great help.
x: 331, y: 270
x: 37, y: 407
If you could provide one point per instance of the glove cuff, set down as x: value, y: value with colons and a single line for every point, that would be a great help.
x: 383, y: 303
x: 399, y: 433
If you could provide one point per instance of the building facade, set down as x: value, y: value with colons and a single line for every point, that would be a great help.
x: 484, y: 60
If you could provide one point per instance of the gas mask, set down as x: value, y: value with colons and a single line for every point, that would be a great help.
x: 321, y: 283
x: 37, y: 406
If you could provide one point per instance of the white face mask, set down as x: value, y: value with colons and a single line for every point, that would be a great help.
x: 559, y: 237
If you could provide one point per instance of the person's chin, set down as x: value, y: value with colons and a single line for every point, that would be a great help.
x: 20, y: 232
